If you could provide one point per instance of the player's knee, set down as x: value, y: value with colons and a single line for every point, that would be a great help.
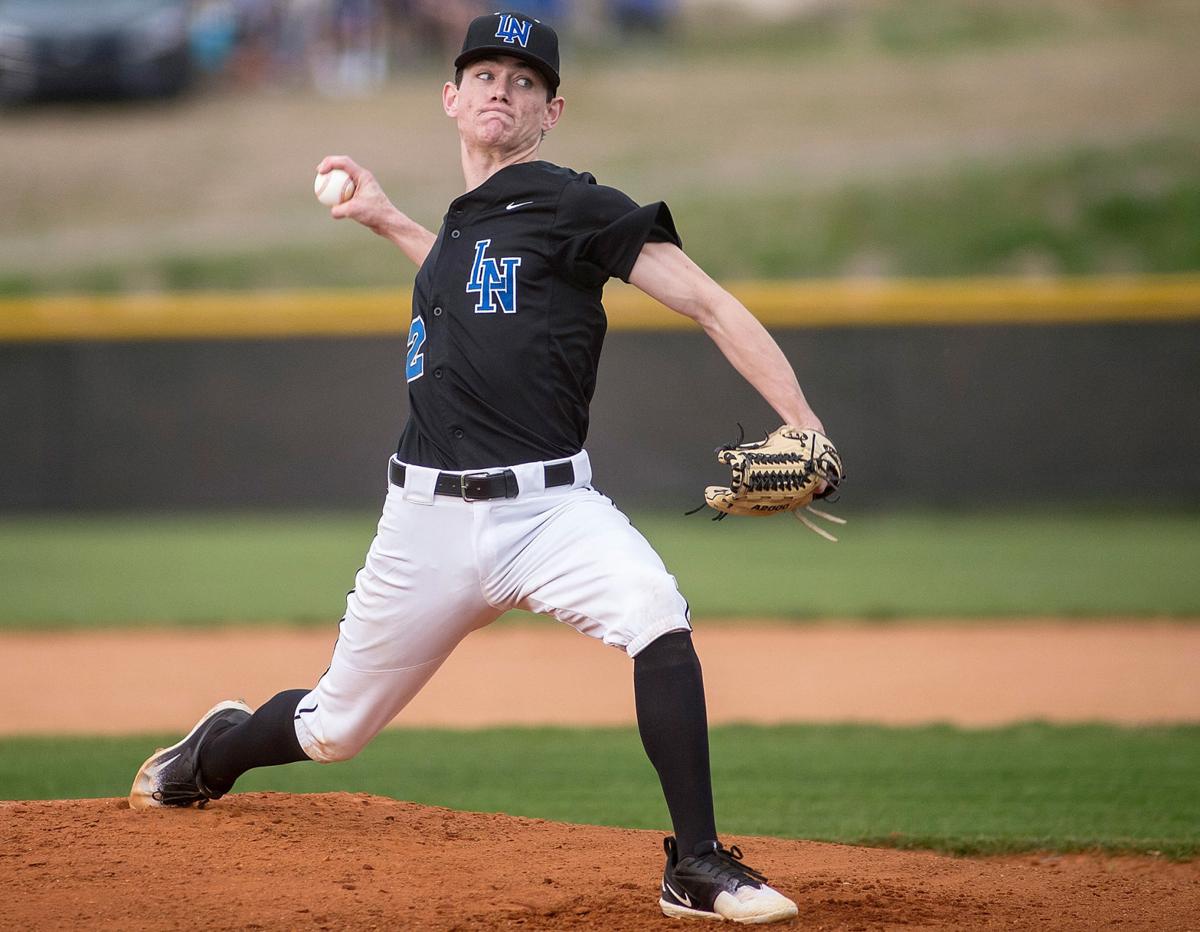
x: 652, y: 594
x: 337, y: 744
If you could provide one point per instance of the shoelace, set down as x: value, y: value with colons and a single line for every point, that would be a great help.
x: 726, y: 863
x: 180, y: 794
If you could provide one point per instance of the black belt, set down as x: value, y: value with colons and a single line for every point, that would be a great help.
x: 477, y: 486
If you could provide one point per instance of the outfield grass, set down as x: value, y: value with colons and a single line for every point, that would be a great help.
x: 79, y: 571
x: 245, y: 567
x: 1021, y: 788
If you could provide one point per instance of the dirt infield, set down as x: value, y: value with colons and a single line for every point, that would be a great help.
x: 338, y: 861
x: 342, y: 861
x: 969, y: 674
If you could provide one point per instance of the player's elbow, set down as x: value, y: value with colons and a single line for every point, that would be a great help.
x: 694, y: 307
x: 703, y: 302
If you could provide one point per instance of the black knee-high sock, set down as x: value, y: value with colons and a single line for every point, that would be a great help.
x: 668, y: 690
x: 268, y: 737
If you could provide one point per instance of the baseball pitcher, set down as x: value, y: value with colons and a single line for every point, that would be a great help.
x: 490, y: 505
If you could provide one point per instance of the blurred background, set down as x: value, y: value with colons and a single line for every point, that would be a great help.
x: 974, y: 225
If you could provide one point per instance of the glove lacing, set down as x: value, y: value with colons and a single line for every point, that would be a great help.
x: 776, y: 480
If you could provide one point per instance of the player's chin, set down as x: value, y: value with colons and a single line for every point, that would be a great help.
x: 491, y: 132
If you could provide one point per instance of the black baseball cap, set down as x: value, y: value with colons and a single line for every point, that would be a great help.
x: 512, y: 34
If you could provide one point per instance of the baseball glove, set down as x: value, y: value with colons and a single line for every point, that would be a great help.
x: 782, y: 472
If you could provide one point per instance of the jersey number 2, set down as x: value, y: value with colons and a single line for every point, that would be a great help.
x: 414, y: 363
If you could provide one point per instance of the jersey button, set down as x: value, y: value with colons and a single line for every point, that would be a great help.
x: 455, y: 234
x: 458, y: 433
x: 437, y: 312
x: 437, y: 373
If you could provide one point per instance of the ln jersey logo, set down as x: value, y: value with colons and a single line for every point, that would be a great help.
x: 494, y: 280
x: 513, y: 30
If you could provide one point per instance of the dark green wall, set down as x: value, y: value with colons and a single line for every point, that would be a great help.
x: 961, y: 414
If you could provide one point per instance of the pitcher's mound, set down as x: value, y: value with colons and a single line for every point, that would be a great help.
x: 342, y: 861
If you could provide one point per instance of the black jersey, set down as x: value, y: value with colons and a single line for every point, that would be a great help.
x: 507, y: 322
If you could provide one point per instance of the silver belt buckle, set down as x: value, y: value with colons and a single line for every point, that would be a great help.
x: 467, y: 477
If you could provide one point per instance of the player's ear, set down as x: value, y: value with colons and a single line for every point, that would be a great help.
x: 450, y: 99
x: 554, y: 110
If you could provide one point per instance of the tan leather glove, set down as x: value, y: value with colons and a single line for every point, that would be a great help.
x: 783, y: 472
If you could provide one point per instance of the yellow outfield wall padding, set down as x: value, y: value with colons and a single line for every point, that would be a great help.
x: 778, y: 304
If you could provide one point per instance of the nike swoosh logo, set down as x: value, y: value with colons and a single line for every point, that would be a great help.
x: 682, y: 897
x: 515, y: 205
x: 169, y: 762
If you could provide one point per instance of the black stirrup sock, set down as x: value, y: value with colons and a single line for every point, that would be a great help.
x: 267, y: 738
x: 668, y: 690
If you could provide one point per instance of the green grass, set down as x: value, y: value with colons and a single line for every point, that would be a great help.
x: 922, y: 27
x: 95, y: 571
x: 966, y: 564
x: 1020, y: 788
x: 179, y: 569
x: 280, y: 266
x: 1128, y: 209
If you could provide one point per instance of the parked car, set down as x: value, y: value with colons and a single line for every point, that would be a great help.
x: 93, y: 48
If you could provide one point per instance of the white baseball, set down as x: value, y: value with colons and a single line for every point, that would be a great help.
x: 333, y: 188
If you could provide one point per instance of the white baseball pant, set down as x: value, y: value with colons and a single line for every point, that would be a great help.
x: 440, y: 567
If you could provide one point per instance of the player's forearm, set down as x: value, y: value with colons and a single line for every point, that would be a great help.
x: 666, y: 273
x: 382, y: 217
x: 753, y: 352
x: 413, y: 239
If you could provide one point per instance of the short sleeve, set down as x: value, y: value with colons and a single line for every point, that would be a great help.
x: 600, y: 232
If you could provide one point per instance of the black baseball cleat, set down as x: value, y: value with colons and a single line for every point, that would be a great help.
x: 715, y: 884
x: 171, y: 776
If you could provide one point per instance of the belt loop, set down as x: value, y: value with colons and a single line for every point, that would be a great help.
x: 511, y: 488
x: 583, y: 469
x: 418, y: 484
x: 531, y: 478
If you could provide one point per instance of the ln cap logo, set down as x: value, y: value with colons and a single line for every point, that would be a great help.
x: 513, y: 30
